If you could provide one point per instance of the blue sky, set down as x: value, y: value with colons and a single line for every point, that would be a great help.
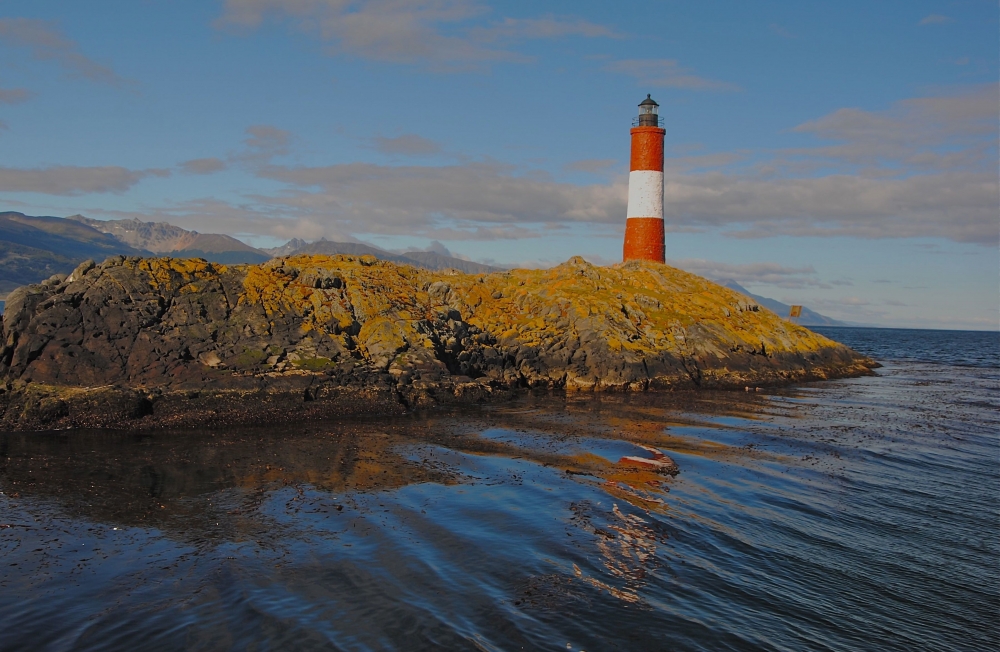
x: 837, y: 154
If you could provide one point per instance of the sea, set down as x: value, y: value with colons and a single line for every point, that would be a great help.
x: 859, y: 514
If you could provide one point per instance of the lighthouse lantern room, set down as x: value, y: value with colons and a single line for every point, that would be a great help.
x: 644, y: 235
x: 648, y: 113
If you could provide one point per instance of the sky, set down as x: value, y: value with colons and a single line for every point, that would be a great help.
x: 838, y: 154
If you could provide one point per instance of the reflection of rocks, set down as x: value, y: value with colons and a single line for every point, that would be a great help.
x: 210, y: 485
x: 358, y: 334
x: 164, y: 480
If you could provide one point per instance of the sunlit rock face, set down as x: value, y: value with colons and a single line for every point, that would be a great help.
x: 321, y: 327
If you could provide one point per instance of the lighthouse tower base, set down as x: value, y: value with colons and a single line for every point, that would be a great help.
x: 644, y: 239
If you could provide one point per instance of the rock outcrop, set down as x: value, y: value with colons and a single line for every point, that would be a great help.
x: 135, y: 341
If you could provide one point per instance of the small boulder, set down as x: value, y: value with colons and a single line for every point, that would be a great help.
x: 210, y: 359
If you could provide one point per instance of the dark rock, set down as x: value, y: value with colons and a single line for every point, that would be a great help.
x: 164, y: 341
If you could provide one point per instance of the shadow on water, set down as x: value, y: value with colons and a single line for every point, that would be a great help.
x: 849, y: 515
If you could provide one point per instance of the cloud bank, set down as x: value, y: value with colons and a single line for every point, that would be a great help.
x: 752, y: 273
x: 925, y: 167
x: 73, y: 180
x: 436, y: 33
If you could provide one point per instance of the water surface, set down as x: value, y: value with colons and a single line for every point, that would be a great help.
x: 849, y: 515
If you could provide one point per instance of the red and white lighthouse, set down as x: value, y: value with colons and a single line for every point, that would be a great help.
x: 644, y: 220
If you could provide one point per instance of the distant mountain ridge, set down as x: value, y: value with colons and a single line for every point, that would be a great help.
x: 158, y: 237
x: 287, y: 248
x: 808, y: 318
x: 330, y: 248
x: 34, y: 248
x: 434, y: 260
x: 426, y: 259
x: 166, y: 239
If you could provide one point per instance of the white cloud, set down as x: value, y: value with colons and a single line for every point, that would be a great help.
x: 262, y: 144
x: 515, y: 29
x: 591, y: 165
x: 400, y: 198
x: 282, y: 222
x: 46, y: 43
x: 437, y: 247
x: 781, y: 31
x: 944, y: 132
x: 765, y: 273
x: 956, y: 206
x: 935, y: 19
x: 268, y: 140
x: 73, y: 180
x: 438, y: 33
x: 925, y: 167
x: 203, y: 166
x: 406, y: 145
x: 15, y: 95
x: 487, y: 199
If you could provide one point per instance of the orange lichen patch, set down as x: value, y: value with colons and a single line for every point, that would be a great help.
x: 646, y: 308
x: 263, y: 286
x: 637, y: 307
x: 174, y: 273
x: 647, y: 148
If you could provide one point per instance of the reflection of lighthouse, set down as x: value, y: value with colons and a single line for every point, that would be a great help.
x: 644, y: 223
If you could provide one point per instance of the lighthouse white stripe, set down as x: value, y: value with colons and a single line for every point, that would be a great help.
x: 645, y: 194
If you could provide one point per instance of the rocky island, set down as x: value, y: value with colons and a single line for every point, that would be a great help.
x: 151, y: 342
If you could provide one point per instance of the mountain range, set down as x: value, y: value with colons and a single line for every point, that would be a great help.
x: 166, y: 239
x: 807, y: 318
x: 34, y: 248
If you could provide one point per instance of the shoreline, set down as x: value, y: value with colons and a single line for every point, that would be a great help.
x: 38, y: 407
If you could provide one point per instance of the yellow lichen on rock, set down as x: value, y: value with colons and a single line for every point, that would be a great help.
x: 168, y: 322
x: 558, y: 320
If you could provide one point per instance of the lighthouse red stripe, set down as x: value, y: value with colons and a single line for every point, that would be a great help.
x: 647, y: 149
x: 644, y: 239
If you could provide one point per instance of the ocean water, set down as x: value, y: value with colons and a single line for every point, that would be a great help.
x: 859, y: 514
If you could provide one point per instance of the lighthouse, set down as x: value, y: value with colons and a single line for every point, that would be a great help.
x: 644, y: 219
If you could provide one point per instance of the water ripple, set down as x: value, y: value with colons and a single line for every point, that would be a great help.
x: 851, y: 515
